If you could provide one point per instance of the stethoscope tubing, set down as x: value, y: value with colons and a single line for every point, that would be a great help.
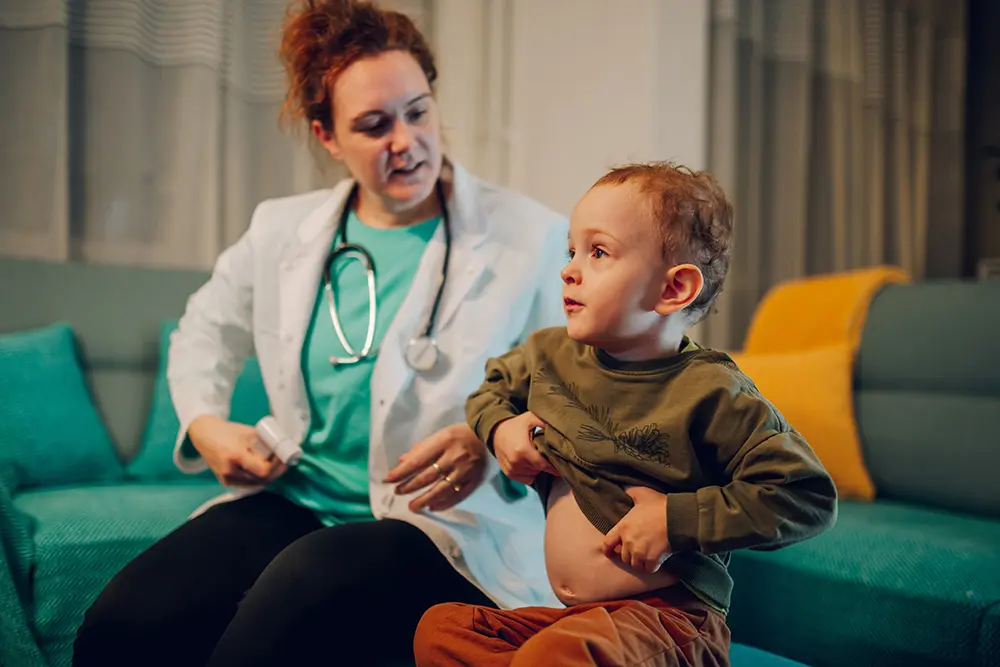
x: 359, y: 253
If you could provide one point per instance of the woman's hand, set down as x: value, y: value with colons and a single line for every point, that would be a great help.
x: 452, y: 462
x: 228, y: 449
x: 516, y: 451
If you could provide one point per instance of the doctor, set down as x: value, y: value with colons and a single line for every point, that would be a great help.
x: 395, y: 505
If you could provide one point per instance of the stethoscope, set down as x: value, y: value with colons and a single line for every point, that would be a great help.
x: 422, y: 351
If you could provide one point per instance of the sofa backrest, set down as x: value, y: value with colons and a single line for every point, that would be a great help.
x: 116, y: 313
x: 927, y: 394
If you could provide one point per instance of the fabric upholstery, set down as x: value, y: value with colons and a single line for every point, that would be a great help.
x: 747, y: 656
x: 891, y: 584
x: 83, y: 535
x: 813, y: 390
x: 17, y: 643
x: 817, y: 311
x: 45, y: 405
x: 928, y: 394
x: 155, y: 458
x: 116, y: 313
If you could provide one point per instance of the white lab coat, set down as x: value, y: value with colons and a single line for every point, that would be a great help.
x: 507, y: 251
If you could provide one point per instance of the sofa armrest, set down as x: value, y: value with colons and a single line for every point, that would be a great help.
x: 18, y: 645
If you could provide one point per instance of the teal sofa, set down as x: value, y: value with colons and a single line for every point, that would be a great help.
x: 912, y: 577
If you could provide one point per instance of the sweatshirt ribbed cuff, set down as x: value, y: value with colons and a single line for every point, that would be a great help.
x: 487, y: 422
x: 682, y: 522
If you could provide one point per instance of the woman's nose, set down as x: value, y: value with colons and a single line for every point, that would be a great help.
x: 402, y: 138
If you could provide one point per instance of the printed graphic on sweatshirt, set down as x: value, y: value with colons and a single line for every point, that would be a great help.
x: 645, y: 443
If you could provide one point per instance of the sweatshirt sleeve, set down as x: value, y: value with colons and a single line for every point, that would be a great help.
x: 773, y: 489
x: 503, y: 394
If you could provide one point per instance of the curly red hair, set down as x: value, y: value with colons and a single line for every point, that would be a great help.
x: 695, y: 219
x: 322, y: 38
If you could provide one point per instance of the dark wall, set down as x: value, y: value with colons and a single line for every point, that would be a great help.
x: 982, y: 122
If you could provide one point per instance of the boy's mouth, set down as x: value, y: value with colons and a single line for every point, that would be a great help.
x: 571, y: 304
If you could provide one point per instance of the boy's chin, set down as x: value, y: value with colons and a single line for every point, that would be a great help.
x: 582, y: 334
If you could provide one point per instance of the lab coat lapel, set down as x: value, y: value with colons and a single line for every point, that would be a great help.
x: 469, y: 257
x: 299, y: 277
x: 469, y: 252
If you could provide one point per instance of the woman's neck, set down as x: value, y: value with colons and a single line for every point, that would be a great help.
x: 373, y: 212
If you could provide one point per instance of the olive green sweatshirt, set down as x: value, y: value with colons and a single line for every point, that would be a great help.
x: 690, y: 426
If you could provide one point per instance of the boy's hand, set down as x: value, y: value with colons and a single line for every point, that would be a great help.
x: 641, y: 535
x: 515, y: 451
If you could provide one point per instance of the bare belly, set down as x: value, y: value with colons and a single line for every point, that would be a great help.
x: 578, y: 570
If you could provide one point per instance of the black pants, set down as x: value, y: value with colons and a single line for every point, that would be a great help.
x: 259, y: 581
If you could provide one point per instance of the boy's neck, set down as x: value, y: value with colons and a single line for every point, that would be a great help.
x: 666, y: 343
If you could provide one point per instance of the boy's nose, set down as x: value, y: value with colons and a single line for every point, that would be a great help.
x: 570, y: 275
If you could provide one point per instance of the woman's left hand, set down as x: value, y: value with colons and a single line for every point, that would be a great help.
x: 451, y: 462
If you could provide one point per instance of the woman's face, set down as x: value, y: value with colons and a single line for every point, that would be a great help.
x: 386, y: 129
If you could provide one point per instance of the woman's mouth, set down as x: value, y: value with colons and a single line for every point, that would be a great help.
x: 408, y: 171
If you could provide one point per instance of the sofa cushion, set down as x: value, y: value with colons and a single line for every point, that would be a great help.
x: 115, y: 312
x: 928, y: 394
x: 84, y: 534
x: 817, y: 311
x: 890, y: 584
x: 155, y: 459
x: 50, y: 432
x: 813, y: 390
x: 747, y: 656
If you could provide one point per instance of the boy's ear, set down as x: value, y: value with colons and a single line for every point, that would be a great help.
x: 682, y: 285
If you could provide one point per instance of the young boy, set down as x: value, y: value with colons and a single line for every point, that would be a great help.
x: 654, y: 457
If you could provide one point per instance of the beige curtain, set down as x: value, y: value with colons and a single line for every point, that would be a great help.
x: 836, y: 125
x: 144, y: 131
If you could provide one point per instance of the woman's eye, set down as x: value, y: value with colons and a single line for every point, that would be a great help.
x: 376, y: 130
x: 417, y: 114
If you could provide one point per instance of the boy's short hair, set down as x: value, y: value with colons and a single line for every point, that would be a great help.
x: 695, y: 220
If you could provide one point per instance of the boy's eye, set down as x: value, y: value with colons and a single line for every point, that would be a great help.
x: 598, y: 253
x: 570, y: 253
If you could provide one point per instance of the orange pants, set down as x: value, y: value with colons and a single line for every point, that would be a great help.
x: 669, y: 627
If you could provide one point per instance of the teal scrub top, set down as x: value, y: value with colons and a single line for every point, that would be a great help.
x: 331, y: 479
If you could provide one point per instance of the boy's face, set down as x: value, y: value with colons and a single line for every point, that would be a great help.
x: 616, y: 273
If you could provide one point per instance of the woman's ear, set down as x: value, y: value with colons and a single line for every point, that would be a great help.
x: 682, y: 285
x: 327, y: 139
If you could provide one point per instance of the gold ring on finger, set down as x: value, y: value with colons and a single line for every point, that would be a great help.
x: 438, y: 469
x: 455, y: 485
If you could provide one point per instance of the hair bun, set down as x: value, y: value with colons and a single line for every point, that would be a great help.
x: 322, y: 38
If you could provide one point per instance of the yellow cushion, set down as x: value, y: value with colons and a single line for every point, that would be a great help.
x: 812, y: 389
x: 818, y: 310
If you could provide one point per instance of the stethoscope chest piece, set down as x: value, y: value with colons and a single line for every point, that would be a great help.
x: 422, y: 353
